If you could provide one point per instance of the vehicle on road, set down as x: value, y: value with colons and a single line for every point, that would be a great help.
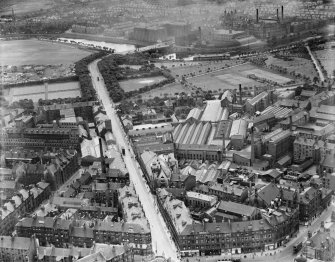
x: 297, y: 247
x: 98, y: 78
x: 123, y: 151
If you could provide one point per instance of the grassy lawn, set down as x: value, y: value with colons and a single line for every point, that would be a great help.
x: 327, y: 57
x: 35, y: 92
x: 35, y: 52
x: 299, y: 65
x: 168, y: 90
x: 135, y: 84
x: 200, y: 67
x: 226, y: 79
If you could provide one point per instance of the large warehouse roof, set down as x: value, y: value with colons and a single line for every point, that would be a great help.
x: 239, y: 128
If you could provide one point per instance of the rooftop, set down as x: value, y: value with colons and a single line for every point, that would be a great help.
x: 201, y: 197
x: 22, y: 243
x: 257, y: 98
x: 213, y: 111
x: 179, y: 213
x: 236, y: 208
x: 227, y: 227
x: 239, y: 128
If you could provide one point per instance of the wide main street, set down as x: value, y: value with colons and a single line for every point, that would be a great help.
x: 161, y: 239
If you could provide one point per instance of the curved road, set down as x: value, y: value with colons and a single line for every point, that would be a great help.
x: 162, y: 243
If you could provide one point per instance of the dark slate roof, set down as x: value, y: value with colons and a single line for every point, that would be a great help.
x: 236, y: 208
x: 227, y: 227
x: 268, y: 193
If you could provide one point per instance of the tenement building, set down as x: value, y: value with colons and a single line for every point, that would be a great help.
x: 237, y: 237
x: 82, y: 233
x: 51, y: 137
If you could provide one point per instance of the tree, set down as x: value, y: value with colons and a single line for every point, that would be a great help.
x: 168, y: 113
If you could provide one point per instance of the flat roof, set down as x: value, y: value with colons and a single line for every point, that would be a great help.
x: 200, y: 196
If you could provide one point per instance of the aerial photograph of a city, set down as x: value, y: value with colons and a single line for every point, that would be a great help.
x: 167, y: 130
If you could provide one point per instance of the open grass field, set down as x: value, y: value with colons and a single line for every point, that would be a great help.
x: 35, y: 92
x: 327, y: 57
x: 299, y: 65
x: 268, y: 75
x: 35, y: 52
x: 227, y: 79
x: 135, y: 84
x: 168, y: 90
x: 200, y: 67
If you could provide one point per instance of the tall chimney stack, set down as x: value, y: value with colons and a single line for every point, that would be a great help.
x: 277, y: 14
x: 46, y: 90
x: 102, y: 159
x: 240, y: 88
x: 282, y: 12
x: 252, y: 146
x: 257, y: 15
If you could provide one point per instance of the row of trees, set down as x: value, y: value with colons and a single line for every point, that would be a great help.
x: 110, y: 71
x: 55, y: 27
x: 85, y: 81
x: 113, y: 73
x: 148, y: 88
x: 66, y: 100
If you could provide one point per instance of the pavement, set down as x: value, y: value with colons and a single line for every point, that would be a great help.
x: 162, y: 242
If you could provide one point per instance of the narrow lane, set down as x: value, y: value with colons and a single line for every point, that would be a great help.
x: 161, y: 240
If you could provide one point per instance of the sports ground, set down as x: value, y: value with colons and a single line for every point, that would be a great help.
x: 230, y: 78
x: 36, y: 52
x: 135, y: 84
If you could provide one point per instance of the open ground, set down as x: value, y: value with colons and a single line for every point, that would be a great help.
x: 35, y: 92
x: 327, y: 57
x: 229, y: 78
x: 135, y: 84
x: 168, y: 90
x: 196, y: 68
x: 299, y: 65
x: 33, y: 51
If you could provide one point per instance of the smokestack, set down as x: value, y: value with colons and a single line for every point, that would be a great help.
x: 257, y: 15
x: 240, y: 88
x: 282, y: 12
x: 46, y: 90
x: 252, y: 147
x: 277, y: 14
x: 102, y: 159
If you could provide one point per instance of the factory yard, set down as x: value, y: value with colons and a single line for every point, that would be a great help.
x: 326, y: 57
x: 299, y: 65
x: 36, y: 52
x: 229, y: 78
x: 36, y: 92
x: 135, y: 84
